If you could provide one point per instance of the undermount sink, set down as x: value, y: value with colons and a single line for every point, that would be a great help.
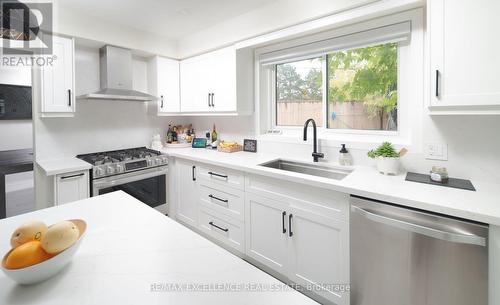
x: 308, y: 169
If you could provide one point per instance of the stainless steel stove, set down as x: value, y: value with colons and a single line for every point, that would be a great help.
x: 140, y: 172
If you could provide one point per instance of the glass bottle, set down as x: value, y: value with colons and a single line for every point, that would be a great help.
x: 169, y: 134
x: 214, y: 134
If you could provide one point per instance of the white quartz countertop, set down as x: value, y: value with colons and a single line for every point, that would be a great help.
x: 132, y: 254
x: 62, y: 165
x: 483, y: 205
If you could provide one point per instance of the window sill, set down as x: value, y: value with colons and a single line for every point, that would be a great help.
x: 354, y: 141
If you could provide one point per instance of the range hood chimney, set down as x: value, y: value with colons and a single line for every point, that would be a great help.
x: 116, y: 77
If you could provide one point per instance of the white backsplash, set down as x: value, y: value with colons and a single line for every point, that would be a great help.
x: 473, y: 144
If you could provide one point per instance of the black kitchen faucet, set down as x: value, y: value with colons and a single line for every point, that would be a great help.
x: 316, y: 155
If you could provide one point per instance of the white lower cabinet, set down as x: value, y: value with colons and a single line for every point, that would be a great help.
x: 319, y: 256
x: 71, y: 187
x: 222, y: 228
x: 308, y: 248
x: 222, y: 199
x: 187, y: 193
x: 298, y: 232
x: 266, y: 232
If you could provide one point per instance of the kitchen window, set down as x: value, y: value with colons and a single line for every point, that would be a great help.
x: 361, y: 86
x: 360, y: 83
x: 299, y: 92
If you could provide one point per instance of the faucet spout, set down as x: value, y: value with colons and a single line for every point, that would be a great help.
x: 316, y: 155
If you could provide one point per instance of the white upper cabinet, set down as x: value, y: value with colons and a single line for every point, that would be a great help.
x: 218, y: 82
x: 464, y: 59
x: 223, y: 84
x: 195, y: 84
x: 58, y: 81
x: 163, y: 82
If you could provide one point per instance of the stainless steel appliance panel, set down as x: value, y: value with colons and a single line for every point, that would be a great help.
x: 148, y: 186
x: 401, y: 256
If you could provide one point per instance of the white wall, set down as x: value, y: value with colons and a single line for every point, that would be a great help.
x: 75, y: 24
x: 473, y: 144
x: 277, y: 15
x: 99, y: 125
x: 473, y: 147
x: 16, y: 134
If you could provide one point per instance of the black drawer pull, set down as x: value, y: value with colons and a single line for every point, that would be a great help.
x: 216, y: 198
x: 437, y: 83
x: 283, y: 221
x: 72, y: 176
x: 290, y: 233
x: 216, y: 226
x: 217, y: 175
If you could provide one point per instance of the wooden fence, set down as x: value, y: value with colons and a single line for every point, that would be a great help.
x: 349, y: 115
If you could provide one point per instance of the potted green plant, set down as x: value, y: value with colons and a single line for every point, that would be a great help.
x: 387, y: 158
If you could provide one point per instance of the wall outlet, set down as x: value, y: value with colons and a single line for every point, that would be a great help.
x: 436, y: 151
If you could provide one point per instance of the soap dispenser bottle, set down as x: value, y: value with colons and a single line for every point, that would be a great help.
x: 344, y: 156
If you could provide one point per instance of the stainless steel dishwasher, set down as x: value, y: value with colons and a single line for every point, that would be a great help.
x: 402, y: 256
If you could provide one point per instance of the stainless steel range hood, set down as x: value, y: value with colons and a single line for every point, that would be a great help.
x: 116, y: 77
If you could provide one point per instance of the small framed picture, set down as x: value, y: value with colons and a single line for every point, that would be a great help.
x: 250, y: 145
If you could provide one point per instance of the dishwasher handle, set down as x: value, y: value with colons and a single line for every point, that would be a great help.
x: 416, y: 228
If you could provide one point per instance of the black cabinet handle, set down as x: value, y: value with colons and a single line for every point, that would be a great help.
x: 194, y: 172
x: 69, y: 97
x: 72, y: 176
x: 216, y: 198
x: 213, y: 94
x: 209, y: 96
x: 216, y: 226
x: 437, y: 83
x: 283, y: 221
x: 290, y: 233
x: 161, y: 100
x: 217, y: 175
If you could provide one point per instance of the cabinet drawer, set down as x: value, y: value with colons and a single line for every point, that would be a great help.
x: 321, y: 201
x: 221, y: 176
x: 223, y: 199
x: 222, y: 228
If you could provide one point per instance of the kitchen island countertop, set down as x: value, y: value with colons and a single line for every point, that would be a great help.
x: 132, y: 254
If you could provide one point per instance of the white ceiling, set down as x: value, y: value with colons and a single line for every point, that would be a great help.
x: 168, y: 18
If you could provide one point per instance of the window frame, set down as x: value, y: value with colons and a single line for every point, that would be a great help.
x: 274, y: 101
x: 410, y: 82
x: 324, y: 128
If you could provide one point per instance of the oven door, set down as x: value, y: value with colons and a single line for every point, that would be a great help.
x: 148, y: 186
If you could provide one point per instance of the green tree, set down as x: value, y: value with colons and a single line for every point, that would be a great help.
x: 373, y: 80
x: 313, y: 85
x: 289, y: 82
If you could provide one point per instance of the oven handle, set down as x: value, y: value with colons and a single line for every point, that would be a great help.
x: 126, y: 178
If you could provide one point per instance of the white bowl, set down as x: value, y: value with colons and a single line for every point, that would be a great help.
x: 46, y: 269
